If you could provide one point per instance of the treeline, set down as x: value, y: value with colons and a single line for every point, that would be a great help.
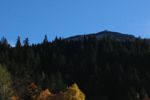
x: 105, y: 69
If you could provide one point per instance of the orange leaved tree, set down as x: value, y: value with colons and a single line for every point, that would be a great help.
x: 72, y: 93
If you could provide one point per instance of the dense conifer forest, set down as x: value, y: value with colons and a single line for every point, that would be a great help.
x: 104, y: 69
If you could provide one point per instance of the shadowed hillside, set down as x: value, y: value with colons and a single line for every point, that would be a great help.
x: 106, y: 66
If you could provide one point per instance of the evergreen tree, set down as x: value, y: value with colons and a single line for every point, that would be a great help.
x: 26, y: 42
x: 18, y: 43
x: 4, y: 41
x: 45, y: 41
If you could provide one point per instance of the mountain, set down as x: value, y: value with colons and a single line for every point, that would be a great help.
x: 103, y: 34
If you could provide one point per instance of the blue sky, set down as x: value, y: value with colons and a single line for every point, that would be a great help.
x: 35, y: 18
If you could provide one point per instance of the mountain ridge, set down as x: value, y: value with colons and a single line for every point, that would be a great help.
x: 103, y: 34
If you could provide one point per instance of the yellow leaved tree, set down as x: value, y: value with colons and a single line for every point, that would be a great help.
x: 6, y: 90
x: 72, y: 93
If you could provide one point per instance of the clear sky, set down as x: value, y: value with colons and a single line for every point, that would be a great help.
x: 35, y: 18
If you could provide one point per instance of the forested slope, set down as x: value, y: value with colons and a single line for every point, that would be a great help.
x: 104, y: 69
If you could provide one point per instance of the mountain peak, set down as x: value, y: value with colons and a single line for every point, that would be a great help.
x: 103, y: 34
x: 114, y: 35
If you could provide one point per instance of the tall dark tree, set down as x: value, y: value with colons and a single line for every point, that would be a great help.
x: 26, y: 42
x: 18, y: 43
x: 4, y: 42
x: 45, y: 41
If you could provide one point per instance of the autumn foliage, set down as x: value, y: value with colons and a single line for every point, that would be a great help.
x: 72, y: 93
x: 14, y: 98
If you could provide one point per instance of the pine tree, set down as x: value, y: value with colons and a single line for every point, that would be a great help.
x: 4, y: 43
x: 18, y: 43
x: 26, y: 42
x: 45, y: 41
